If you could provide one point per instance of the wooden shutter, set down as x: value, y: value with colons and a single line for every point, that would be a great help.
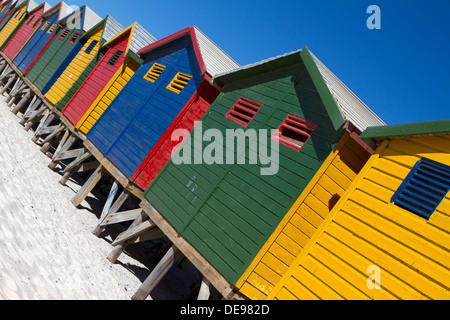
x: 179, y: 82
x: 424, y: 188
x: 155, y: 71
x: 112, y: 61
x: 294, y: 132
x: 243, y: 111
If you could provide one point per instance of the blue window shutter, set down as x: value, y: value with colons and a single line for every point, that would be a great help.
x: 424, y: 188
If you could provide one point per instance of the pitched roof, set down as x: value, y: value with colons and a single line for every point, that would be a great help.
x: 437, y: 127
x: 139, y: 38
x: 111, y: 27
x: 45, y: 6
x: 83, y: 18
x: 342, y: 105
x: 211, y: 58
x: 62, y: 8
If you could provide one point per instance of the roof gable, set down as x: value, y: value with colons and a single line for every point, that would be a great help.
x: 43, y: 6
x: 138, y: 38
x: 62, y: 9
x: 83, y: 19
x: 211, y: 58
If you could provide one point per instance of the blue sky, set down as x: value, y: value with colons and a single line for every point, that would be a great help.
x: 402, y: 72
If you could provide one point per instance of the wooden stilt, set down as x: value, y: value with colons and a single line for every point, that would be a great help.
x: 106, y: 214
x: 8, y: 84
x: 46, y: 143
x: 204, y: 292
x: 67, y: 141
x: 157, y: 274
x: 83, y: 167
x: 88, y: 186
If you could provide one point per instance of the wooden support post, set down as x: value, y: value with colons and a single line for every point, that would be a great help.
x: 32, y: 106
x: 111, y: 210
x: 204, y: 292
x: 46, y: 144
x: 66, y: 142
x: 22, y: 102
x: 34, y: 116
x: 74, y: 166
x: 88, y: 186
x: 44, y: 126
x: 157, y: 274
x: 8, y: 84
x: 83, y: 167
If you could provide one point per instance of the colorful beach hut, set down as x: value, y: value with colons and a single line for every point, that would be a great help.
x: 222, y: 208
x: 19, y: 14
x: 26, y: 30
x: 128, y: 42
x: 170, y: 91
x: 5, y: 9
x: 42, y: 36
x: 61, y: 88
x: 64, y: 46
x: 388, y: 237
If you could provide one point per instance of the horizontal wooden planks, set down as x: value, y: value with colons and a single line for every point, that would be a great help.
x: 140, y: 114
x: 108, y: 94
x: 74, y: 69
x: 96, y: 81
x: 256, y: 203
x: 367, y: 229
x: 11, y: 25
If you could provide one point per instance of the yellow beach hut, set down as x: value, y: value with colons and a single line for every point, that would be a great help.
x: 389, y: 235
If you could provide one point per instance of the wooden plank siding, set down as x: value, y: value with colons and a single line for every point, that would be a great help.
x: 36, y: 43
x: 53, y: 56
x: 186, y: 120
x: 19, y: 15
x: 82, y: 78
x: 303, y: 219
x: 366, y: 229
x: 109, y: 93
x: 75, y: 68
x: 4, y: 10
x: 228, y: 211
x: 140, y: 114
x: 24, y: 33
x: 96, y: 81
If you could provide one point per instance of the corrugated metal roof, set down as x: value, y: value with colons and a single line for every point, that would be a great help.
x: 112, y: 28
x: 351, y: 106
x: 215, y: 59
x: 140, y: 38
x: 64, y: 11
x: 32, y: 5
x: 45, y: 5
x: 90, y: 19
x: 18, y: 3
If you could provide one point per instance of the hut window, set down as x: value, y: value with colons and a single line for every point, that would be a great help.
x: 45, y: 26
x: 154, y: 72
x: 18, y: 13
x: 37, y: 21
x: 30, y: 20
x: 112, y: 61
x: 424, y: 188
x: 294, y: 132
x: 91, y: 46
x: 52, y: 28
x: 179, y: 82
x: 243, y: 111
x: 74, y: 37
x: 64, y: 34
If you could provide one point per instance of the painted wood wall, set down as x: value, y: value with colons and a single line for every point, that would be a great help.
x: 76, y: 67
x: 304, y: 218
x: 228, y: 211
x: 82, y: 78
x: 109, y: 93
x: 54, y: 55
x: 96, y: 81
x: 36, y: 43
x: 24, y: 33
x: 10, y: 26
x: 4, y: 10
x: 141, y: 113
x: 162, y: 151
x: 365, y: 229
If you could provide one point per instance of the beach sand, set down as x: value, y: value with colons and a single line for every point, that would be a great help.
x: 47, y: 249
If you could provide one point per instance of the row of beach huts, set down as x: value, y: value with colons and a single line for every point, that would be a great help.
x: 356, y: 209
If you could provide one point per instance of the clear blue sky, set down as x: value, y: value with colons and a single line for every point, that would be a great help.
x: 402, y: 72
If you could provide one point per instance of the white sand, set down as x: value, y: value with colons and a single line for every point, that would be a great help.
x: 47, y: 249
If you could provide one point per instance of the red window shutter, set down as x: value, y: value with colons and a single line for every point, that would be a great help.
x: 294, y: 132
x: 243, y: 111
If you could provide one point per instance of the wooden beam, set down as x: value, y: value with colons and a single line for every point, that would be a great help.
x: 115, y: 207
x: 122, y: 216
x: 226, y: 289
x: 88, y: 186
x: 133, y: 232
x: 157, y: 274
